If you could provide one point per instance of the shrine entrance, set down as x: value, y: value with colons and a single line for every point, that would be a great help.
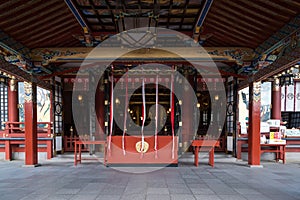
x: 144, y: 118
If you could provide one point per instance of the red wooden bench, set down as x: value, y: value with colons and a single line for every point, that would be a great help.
x: 206, y: 145
x: 78, y: 149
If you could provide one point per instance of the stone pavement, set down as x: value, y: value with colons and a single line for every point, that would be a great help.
x: 229, y: 179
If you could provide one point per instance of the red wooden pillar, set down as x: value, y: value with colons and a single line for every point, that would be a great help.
x: 30, y: 111
x: 254, y: 124
x: 99, y: 106
x: 276, y: 100
x: 13, y: 111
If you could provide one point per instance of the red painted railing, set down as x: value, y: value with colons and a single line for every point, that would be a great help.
x: 17, y: 129
x: 69, y: 143
x: 12, y: 139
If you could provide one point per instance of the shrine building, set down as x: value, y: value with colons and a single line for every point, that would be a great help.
x: 144, y: 82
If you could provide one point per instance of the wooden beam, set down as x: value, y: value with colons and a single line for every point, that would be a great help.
x: 22, y: 75
x: 30, y: 113
x: 184, y: 11
x: 254, y: 124
x: 169, y: 14
x: 278, y: 38
x: 281, y: 64
x: 204, y: 10
x: 59, y: 73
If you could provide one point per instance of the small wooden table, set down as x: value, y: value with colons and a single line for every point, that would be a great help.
x: 278, y: 149
x: 77, y: 148
x: 210, y: 144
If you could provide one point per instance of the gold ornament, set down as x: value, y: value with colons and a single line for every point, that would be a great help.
x: 138, y: 147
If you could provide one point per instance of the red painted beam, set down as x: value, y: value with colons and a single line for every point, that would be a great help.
x: 254, y: 124
x: 276, y: 101
x: 12, y: 92
x: 30, y: 110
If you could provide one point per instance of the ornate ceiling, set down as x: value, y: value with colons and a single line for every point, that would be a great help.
x: 265, y: 27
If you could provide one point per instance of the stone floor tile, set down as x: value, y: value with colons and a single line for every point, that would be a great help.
x: 180, y: 191
x: 67, y: 191
x: 135, y: 190
x: 203, y: 191
x: 133, y: 197
x: 182, y: 197
x: 157, y: 191
x: 246, y: 191
x: 59, y: 197
x: 207, y: 197
x: 256, y: 197
x: 35, y: 197
x: 232, y: 197
x: 84, y: 197
x: 158, y: 197
x: 108, y: 197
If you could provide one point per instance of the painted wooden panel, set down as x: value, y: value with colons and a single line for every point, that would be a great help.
x: 290, y: 98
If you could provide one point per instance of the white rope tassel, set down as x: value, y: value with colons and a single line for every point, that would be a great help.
x: 172, y: 116
x: 144, y: 114
x: 111, y: 113
x: 125, y: 116
x: 156, y: 117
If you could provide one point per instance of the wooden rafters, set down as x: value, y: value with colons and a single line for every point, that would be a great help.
x: 283, y: 63
x: 169, y: 14
x: 30, y: 23
x: 22, y: 75
x: 280, y: 36
x: 13, y: 46
x: 184, y: 12
x: 58, y: 33
x: 33, y: 19
x: 242, y: 16
x: 108, y: 6
x: 19, y: 16
x: 96, y: 13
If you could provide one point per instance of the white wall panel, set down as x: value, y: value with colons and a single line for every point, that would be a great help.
x: 282, y: 98
x: 297, y: 96
x: 290, y: 98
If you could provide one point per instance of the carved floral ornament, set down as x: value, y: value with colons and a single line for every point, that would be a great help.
x: 257, y: 91
x: 276, y: 85
x: 46, y: 55
x: 52, y: 54
x: 13, y: 84
x: 27, y: 92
